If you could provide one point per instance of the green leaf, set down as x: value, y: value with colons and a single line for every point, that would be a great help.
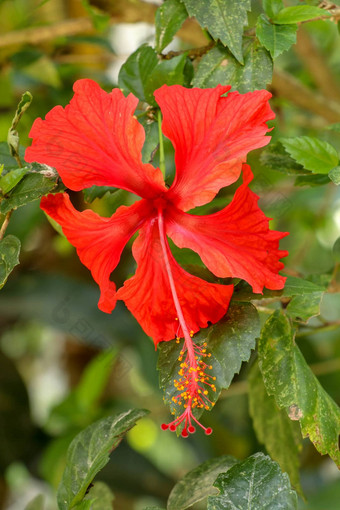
x: 38, y: 503
x: 275, y: 157
x: 90, y: 194
x: 336, y: 250
x: 334, y: 175
x: 219, y: 66
x: 31, y: 187
x: 13, y: 136
x: 312, y: 180
x: 298, y: 13
x: 170, y: 16
x: 89, y: 453
x: 198, y: 483
x: 99, y: 18
x: 255, y: 483
x: 224, y: 20
x: 303, y: 307
x: 230, y: 342
x: 135, y: 73
x: 7, y: 159
x: 290, y: 380
x: 169, y: 72
x: 11, y: 179
x: 314, y: 154
x: 9, y: 257
x: 276, y: 38
x: 101, y: 496
x: 272, y: 7
x: 281, y: 436
x: 298, y: 286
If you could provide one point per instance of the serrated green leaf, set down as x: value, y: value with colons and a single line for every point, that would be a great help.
x: 334, y: 175
x: 312, y: 180
x: 230, y: 343
x: 101, y: 497
x: 170, y: 16
x: 198, y: 483
x: 255, y: 483
x: 135, y: 73
x: 38, y: 503
x: 316, y: 155
x: 280, y: 435
x: 11, y: 179
x: 305, y: 306
x: 224, y: 20
x: 272, y: 7
x: 89, y: 453
x: 290, y: 380
x: 90, y: 194
x: 275, y: 157
x: 297, y: 13
x: 9, y: 257
x: 219, y: 66
x: 298, y: 286
x: 169, y: 72
x: 31, y: 187
x: 336, y: 250
x: 275, y: 38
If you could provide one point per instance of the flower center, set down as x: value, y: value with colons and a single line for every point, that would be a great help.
x: 194, y: 382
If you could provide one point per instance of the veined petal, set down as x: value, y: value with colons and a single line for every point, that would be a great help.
x: 99, y: 241
x: 148, y: 296
x: 234, y: 242
x: 95, y: 140
x: 212, y: 136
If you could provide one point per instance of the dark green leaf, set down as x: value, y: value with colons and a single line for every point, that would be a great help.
x: 275, y: 156
x: 290, y: 380
x: 135, y: 73
x: 31, y: 187
x: 276, y: 38
x: 89, y: 453
x: 90, y: 194
x: 336, y: 250
x: 101, y: 496
x: 219, y: 66
x: 169, y: 72
x: 298, y: 13
x: 224, y: 20
x: 298, y: 286
x: 281, y: 436
x: 255, y: 483
x: 38, y: 503
x: 7, y: 159
x: 11, y: 179
x: 230, y: 342
x: 169, y: 18
x: 272, y: 7
x: 314, y: 154
x: 312, y: 180
x: 304, y: 307
x: 334, y: 175
x: 198, y: 483
x: 9, y: 257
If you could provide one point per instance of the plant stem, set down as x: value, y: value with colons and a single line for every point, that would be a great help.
x: 5, y: 224
x: 161, y: 144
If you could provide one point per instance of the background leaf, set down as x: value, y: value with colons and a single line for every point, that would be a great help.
x: 288, y: 377
x: 102, y: 496
x: 30, y: 188
x: 224, y: 19
x: 314, y: 154
x: 89, y: 453
x: 135, y: 72
x: 275, y: 38
x: 272, y: 7
x: 9, y: 257
x: 297, y: 13
x: 256, y: 482
x: 38, y: 503
x: 281, y: 436
x: 170, y: 16
x: 334, y: 175
x: 198, y: 483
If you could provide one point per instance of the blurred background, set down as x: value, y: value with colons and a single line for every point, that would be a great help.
x: 63, y: 363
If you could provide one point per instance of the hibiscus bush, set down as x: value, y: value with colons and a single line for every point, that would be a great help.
x: 169, y: 255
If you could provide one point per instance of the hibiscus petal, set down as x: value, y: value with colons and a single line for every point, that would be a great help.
x: 234, y: 242
x: 212, y: 136
x: 148, y: 296
x: 95, y: 140
x: 99, y: 241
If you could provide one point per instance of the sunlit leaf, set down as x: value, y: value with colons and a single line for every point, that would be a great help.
x: 11, y: 179
x: 314, y: 154
x: 297, y: 13
x: 256, y: 482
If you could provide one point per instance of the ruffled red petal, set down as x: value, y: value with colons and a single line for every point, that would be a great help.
x: 148, y: 296
x: 212, y: 136
x: 99, y: 241
x: 234, y: 242
x: 95, y: 140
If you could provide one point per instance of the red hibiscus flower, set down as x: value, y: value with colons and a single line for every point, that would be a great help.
x: 96, y: 140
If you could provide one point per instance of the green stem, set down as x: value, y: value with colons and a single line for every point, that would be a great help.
x: 161, y: 144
